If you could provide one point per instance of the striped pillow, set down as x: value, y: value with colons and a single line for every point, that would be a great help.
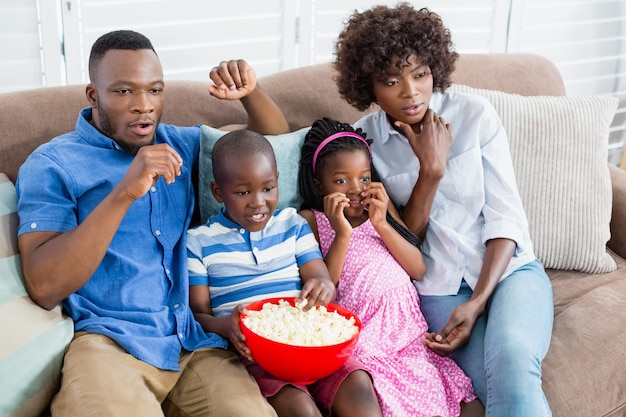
x: 34, y: 340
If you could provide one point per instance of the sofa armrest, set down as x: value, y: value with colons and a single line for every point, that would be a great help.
x: 617, y: 243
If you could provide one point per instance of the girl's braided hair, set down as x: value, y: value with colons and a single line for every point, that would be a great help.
x: 320, y: 130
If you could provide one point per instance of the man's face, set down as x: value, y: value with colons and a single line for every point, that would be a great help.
x: 249, y: 191
x: 126, y: 96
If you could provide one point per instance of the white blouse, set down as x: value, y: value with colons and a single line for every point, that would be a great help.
x: 477, y: 199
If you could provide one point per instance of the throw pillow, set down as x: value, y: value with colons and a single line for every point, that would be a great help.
x: 287, y: 149
x: 559, y: 146
x: 34, y: 340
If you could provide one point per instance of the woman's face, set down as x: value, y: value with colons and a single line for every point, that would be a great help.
x: 404, y: 91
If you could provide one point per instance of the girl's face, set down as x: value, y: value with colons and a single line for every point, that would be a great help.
x: 347, y: 172
x: 404, y: 93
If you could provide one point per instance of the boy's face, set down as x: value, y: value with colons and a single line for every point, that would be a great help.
x: 404, y: 93
x: 249, y: 191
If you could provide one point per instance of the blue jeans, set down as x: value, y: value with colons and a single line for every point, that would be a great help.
x: 509, y: 341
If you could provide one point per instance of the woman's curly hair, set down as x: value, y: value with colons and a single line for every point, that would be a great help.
x: 371, y: 39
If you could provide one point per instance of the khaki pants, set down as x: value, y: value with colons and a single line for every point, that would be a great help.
x: 101, y: 379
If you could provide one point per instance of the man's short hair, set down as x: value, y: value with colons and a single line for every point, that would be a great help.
x: 117, y: 39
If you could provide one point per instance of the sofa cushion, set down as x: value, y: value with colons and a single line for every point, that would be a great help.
x: 583, y: 372
x: 287, y: 150
x: 559, y: 146
x: 34, y: 340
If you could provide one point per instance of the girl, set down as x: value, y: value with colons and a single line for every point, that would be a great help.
x: 372, y: 266
x: 485, y: 296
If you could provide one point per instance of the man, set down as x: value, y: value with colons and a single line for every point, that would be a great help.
x: 104, y: 211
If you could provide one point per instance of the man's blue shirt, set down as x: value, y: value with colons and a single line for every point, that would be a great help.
x: 139, y: 294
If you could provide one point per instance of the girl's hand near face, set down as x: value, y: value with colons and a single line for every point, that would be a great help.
x: 377, y: 199
x: 334, y: 204
x: 430, y: 141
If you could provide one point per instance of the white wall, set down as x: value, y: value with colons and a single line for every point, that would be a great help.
x: 46, y: 42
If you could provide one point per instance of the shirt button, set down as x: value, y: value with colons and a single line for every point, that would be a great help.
x: 242, y: 231
x: 153, y: 189
x: 33, y: 225
x: 181, y: 335
x: 157, y: 232
x: 167, y: 272
x: 176, y: 305
x: 255, y: 250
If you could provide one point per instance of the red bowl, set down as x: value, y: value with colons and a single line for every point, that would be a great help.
x: 298, y: 364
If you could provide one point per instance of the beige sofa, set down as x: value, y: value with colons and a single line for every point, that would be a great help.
x: 585, y: 366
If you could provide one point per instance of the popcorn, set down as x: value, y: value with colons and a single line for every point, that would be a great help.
x: 285, y: 323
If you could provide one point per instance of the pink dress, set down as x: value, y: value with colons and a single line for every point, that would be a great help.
x: 410, y: 379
